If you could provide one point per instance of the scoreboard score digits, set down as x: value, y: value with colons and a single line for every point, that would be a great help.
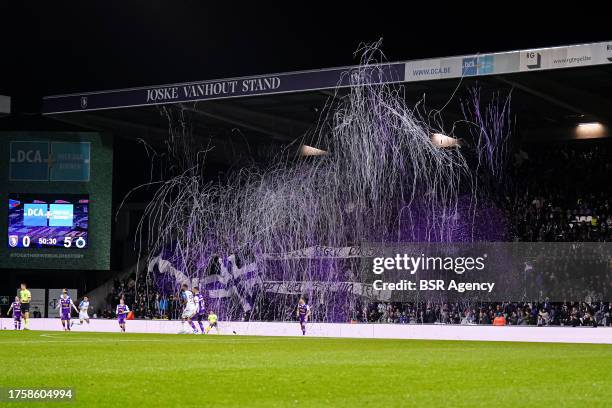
x: 48, y: 221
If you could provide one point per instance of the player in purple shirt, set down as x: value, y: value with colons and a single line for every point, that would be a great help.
x: 64, y: 304
x: 121, y: 312
x: 200, y: 314
x: 303, y: 312
x: 16, y: 308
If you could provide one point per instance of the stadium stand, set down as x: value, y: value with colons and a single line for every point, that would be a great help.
x: 546, y: 208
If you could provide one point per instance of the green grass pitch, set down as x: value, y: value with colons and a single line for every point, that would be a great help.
x: 150, y: 370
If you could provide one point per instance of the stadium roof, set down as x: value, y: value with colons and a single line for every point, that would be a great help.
x: 553, y: 89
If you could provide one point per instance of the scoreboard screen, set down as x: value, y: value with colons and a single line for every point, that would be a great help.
x: 48, y: 221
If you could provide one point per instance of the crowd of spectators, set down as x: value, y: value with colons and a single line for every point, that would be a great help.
x: 559, y: 193
x: 546, y: 313
x: 562, y: 193
x: 144, y: 300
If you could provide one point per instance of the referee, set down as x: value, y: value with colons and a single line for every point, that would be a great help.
x: 24, y: 299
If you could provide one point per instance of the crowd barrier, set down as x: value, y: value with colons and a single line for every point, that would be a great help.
x: 552, y: 334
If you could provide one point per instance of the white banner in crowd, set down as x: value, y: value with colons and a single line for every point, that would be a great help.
x: 247, y: 276
x: 322, y: 251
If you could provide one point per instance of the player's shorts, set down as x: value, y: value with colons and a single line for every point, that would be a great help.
x: 17, y: 317
x: 189, y: 312
x: 25, y: 307
x: 303, y: 319
x: 121, y: 319
x: 65, y: 315
x: 212, y: 324
x: 198, y: 317
x: 83, y: 316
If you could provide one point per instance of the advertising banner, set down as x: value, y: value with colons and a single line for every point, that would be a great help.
x: 290, y: 82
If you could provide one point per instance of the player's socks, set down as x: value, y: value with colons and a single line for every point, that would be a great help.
x: 192, y: 325
x: 26, y: 324
x: 201, y: 326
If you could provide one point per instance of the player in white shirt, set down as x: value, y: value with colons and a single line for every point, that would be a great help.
x: 84, y: 310
x: 190, y: 309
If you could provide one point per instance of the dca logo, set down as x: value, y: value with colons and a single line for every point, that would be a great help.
x: 35, y: 215
x: 30, y: 156
x: 469, y: 66
x: 29, y: 161
x: 477, y: 65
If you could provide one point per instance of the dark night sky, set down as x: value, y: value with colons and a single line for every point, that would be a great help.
x: 46, y: 49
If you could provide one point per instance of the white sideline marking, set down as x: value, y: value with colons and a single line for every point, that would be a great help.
x: 57, y: 338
